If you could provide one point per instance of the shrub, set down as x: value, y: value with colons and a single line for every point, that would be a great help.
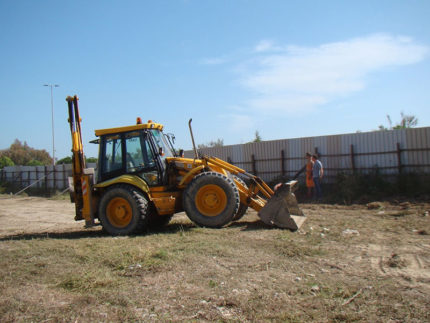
x: 5, y: 161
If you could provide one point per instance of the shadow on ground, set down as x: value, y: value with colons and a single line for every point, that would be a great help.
x: 97, y: 232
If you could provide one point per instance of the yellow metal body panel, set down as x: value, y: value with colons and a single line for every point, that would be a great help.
x: 190, y: 174
x: 87, y: 212
x: 188, y: 168
x: 128, y: 128
x: 126, y: 179
x: 167, y: 202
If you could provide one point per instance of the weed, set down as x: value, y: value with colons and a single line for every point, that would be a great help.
x: 160, y: 254
x: 212, y: 283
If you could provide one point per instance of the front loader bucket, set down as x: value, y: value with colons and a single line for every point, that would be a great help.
x: 282, y: 210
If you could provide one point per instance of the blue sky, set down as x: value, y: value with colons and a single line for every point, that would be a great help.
x: 285, y: 68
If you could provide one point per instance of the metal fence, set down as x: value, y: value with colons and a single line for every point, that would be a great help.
x: 390, y: 152
x: 45, y: 178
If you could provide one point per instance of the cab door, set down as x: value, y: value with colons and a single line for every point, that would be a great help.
x: 111, y: 155
x: 129, y: 153
x: 141, y: 157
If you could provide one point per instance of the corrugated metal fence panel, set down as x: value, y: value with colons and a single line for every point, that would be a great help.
x: 237, y: 155
x: 370, y: 143
x: 417, y: 141
x: 372, y: 150
x: 268, y: 156
x: 333, y: 147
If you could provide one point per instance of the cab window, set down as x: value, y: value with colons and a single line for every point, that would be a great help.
x: 161, y: 143
x: 140, y: 158
x: 134, y: 156
x: 113, y: 154
x: 129, y: 153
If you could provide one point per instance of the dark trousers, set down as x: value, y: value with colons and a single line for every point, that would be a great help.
x: 318, y: 191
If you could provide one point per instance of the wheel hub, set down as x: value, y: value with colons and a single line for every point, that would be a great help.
x: 211, y: 200
x: 119, y: 212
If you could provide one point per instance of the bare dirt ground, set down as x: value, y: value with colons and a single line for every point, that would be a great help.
x: 24, y: 215
x: 347, y: 263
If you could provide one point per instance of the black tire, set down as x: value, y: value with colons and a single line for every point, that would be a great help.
x: 211, y: 200
x: 123, y: 210
x: 243, y: 207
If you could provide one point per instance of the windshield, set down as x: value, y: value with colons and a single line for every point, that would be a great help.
x: 161, y: 142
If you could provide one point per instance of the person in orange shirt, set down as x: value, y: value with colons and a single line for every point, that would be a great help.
x: 309, y: 181
x: 308, y: 169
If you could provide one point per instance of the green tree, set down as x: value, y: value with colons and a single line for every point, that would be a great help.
x: 22, y: 154
x: 91, y: 160
x: 218, y: 143
x: 68, y: 160
x: 5, y: 161
x: 65, y: 160
x: 407, y: 121
x: 257, y: 137
x: 34, y: 162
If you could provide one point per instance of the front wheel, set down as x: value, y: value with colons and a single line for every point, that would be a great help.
x: 122, y: 210
x: 211, y: 200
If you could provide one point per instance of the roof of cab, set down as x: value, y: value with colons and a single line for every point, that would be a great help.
x: 108, y: 131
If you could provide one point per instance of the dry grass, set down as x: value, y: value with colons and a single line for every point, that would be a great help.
x: 246, y: 272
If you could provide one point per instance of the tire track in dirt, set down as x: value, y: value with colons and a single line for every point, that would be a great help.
x: 410, y: 264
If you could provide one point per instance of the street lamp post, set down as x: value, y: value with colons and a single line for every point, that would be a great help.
x: 52, y: 112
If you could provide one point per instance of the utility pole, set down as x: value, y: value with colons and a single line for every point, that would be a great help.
x: 52, y: 112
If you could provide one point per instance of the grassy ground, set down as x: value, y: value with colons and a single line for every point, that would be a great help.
x: 377, y: 271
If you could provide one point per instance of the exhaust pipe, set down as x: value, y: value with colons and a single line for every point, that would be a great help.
x: 192, y: 138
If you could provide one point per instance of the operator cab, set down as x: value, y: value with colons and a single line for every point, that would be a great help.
x: 139, y: 150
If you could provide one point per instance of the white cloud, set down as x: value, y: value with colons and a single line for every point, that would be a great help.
x: 265, y: 46
x: 293, y: 78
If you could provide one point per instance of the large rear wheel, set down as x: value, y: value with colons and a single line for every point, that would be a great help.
x: 122, y: 210
x: 211, y: 200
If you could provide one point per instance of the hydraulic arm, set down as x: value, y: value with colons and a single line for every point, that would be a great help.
x: 81, y: 189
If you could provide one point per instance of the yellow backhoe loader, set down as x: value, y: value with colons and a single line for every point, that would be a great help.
x: 141, y: 181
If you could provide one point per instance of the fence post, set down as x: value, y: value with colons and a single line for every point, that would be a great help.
x: 254, y: 168
x: 352, y: 158
x: 282, y: 163
x: 54, y: 186
x: 20, y: 178
x: 46, y: 179
x: 65, y: 183
x: 399, y: 158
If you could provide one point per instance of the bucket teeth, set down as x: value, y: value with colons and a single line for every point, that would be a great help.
x: 282, y: 210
